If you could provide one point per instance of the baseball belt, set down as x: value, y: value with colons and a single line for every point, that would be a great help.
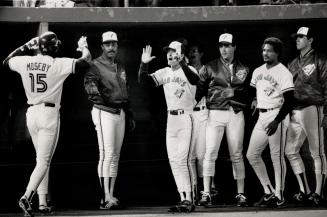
x: 176, y: 112
x: 47, y: 104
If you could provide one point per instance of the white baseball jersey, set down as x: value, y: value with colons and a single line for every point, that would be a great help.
x: 42, y: 76
x: 271, y: 84
x: 179, y: 93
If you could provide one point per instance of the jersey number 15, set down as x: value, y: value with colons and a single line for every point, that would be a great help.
x: 39, y: 82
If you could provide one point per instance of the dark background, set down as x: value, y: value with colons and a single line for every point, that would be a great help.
x: 144, y: 177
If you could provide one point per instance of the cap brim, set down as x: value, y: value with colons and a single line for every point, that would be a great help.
x: 109, y: 41
x: 294, y: 35
x: 225, y: 42
x: 167, y: 48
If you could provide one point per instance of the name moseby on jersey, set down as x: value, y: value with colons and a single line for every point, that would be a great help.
x: 37, y: 67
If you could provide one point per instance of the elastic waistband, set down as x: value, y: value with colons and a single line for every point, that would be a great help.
x: 111, y: 110
x: 199, y: 108
x: 176, y: 112
x: 47, y: 104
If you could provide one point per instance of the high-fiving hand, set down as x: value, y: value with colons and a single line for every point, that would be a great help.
x: 146, y: 55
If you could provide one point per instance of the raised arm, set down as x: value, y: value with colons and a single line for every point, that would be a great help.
x: 85, y: 59
x: 22, y: 50
x: 146, y: 58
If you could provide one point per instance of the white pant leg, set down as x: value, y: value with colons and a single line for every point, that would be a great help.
x: 258, y: 143
x: 277, y: 143
x: 294, y: 142
x: 43, y: 123
x: 217, y: 121
x: 312, y: 118
x: 179, y: 148
x: 235, y: 135
x: 200, y: 119
x: 110, y: 131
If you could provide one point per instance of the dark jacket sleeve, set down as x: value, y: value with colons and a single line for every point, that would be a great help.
x: 287, y: 105
x: 322, y: 69
x: 91, y: 83
x: 144, y: 77
x: 203, y: 84
x: 191, y: 76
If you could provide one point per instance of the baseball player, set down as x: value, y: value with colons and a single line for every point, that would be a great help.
x: 309, y: 115
x: 106, y: 86
x: 224, y: 83
x: 274, y: 94
x: 43, y: 76
x: 178, y: 82
x: 200, y: 117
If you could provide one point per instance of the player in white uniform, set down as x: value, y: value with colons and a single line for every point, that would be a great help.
x: 178, y: 82
x: 43, y: 76
x: 274, y: 92
x: 200, y: 116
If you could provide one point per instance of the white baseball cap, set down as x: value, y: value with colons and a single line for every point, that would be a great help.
x: 109, y: 36
x: 304, y: 31
x: 174, y: 45
x: 226, y: 38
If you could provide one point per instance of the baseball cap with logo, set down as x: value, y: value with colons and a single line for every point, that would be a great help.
x: 109, y: 36
x: 226, y: 38
x: 175, y: 45
x: 303, y: 31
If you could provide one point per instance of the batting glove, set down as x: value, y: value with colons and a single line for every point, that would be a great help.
x: 82, y: 43
x: 33, y: 44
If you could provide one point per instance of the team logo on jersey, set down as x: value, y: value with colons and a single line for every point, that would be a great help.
x: 308, y: 69
x: 268, y: 91
x: 241, y: 74
x: 179, y: 93
x: 123, y: 76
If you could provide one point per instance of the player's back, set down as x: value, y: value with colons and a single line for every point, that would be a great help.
x: 42, y: 76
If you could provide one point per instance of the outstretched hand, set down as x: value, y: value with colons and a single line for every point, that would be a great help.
x: 146, y: 55
x: 82, y: 43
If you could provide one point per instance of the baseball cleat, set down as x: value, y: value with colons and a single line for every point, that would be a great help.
x: 205, y: 199
x: 186, y: 206
x: 241, y: 200
x: 275, y: 202
x: 25, y: 205
x: 300, y: 198
x: 264, y: 200
x: 315, y: 199
x: 45, y: 209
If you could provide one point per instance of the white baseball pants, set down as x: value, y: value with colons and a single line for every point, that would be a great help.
x: 259, y: 141
x: 198, y: 142
x: 43, y: 123
x: 218, y: 121
x: 110, y: 131
x: 179, y: 149
x: 305, y: 123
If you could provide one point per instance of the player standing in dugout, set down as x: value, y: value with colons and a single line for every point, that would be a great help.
x: 106, y: 85
x: 179, y: 82
x: 309, y: 116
